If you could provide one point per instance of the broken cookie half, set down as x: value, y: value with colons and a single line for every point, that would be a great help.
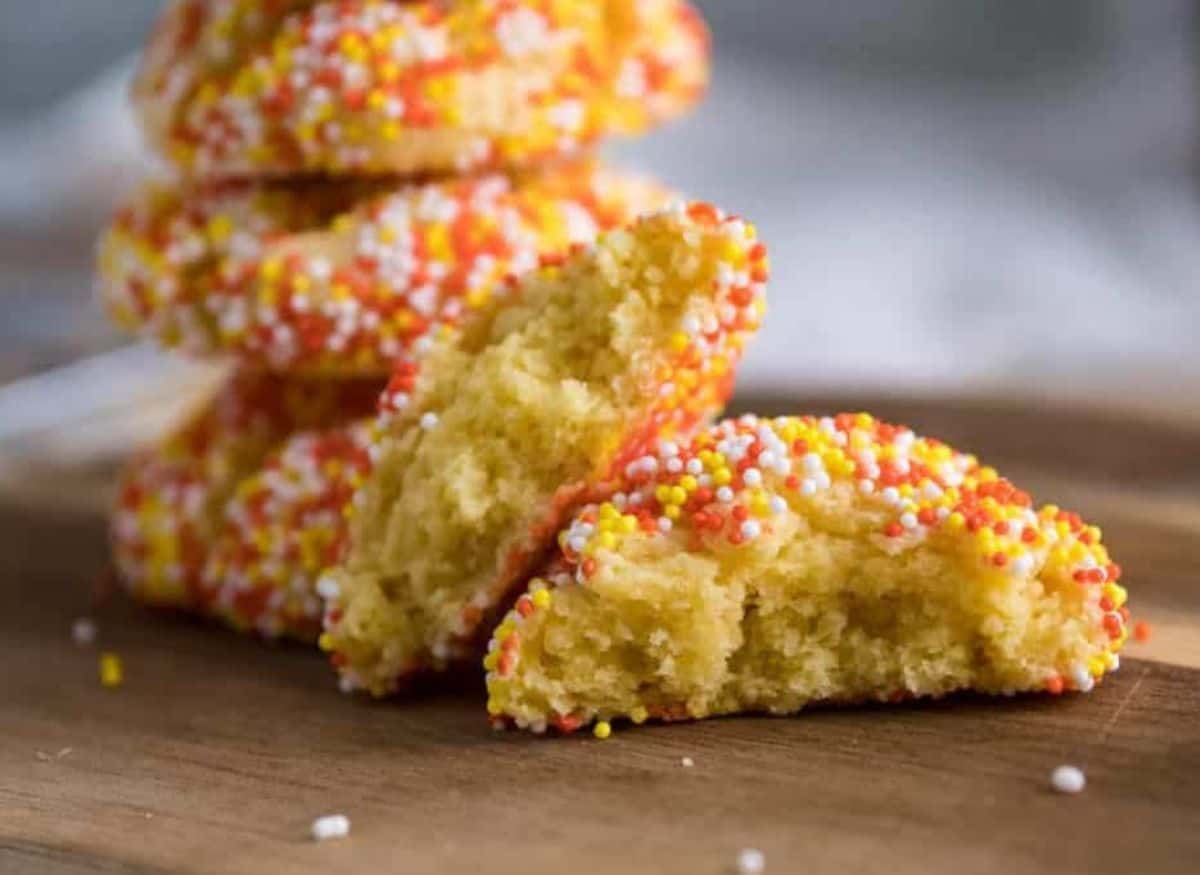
x: 528, y: 413
x: 772, y: 563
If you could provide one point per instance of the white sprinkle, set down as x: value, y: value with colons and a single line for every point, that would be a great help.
x: 664, y: 524
x: 331, y: 826
x: 429, y: 421
x: 83, y: 632
x: 750, y: 861
x: 687, y: 762
x: 752, y: 477
x: 808, y: 486
x: 908, y: 519
x: 866, y: 487
x: 751, y: 529
x: 328, y: 589
x: 1068, y: 779
x: 1022, y: 565
x: 778, y: 504
x: 1082, y: 678
x: 695, y: 467
x: 725, y: 495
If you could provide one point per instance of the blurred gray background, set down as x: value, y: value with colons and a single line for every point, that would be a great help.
x: 994, y: 197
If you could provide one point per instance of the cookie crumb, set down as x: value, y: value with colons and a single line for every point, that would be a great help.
x: 83, y: 632
x: 112, y: 672
x: 1068, y: 779
x: 687, y: 762
x: 331, y: 826
x: 750, y: 861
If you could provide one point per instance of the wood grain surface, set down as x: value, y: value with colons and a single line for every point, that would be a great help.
x: 218, y: 751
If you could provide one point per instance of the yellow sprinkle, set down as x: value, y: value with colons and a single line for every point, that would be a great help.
x: 955, y: 522
x: 541, y: 598
x: 603, y: 730
x: 325, y: 642
x: 491, y: 661
x: 219, y: 229
x: 112, y: 673
x: 688, y: 482
x: 734, y: 252
x: 671, y: 511
x: 639, y: 715
x: 494, y: 707
x: 679, y: 341
x: 722, y: 476
x: 271, y: 269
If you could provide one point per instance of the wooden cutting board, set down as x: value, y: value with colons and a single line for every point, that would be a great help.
x: 218, y: 751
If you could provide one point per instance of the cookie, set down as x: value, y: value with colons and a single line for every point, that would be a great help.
x: 342, y: 278
x: 285, y: 524
x: 273, y: 88
x: 172, y: 498
x: 773, y: 563
x: 526, y: 413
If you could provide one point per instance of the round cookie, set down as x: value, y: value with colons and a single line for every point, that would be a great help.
x: 284, y: 526
x: 526, y: 413
x: 771, y: 563
x: 341, y: 278
x: 172, y: 498
x: 272, y: 88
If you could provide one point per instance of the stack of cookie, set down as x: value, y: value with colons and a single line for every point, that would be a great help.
x: 352, y: 180
x: 383, y: 203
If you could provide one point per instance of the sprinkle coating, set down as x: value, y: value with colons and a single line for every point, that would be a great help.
x: 239, y: 88
x: 344, y: 278
x: 836, y: 501
x: 172, y: 498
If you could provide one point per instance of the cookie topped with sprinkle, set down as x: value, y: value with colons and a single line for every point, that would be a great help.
x: 526, y: 413
x: 343, y: 278
x: 171, y: 500
x: 769, y: 563
x: 270, y: 88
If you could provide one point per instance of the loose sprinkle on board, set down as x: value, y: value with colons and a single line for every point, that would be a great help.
x: 331, y: 826
x: 83, y: 632
x: 750, y: 861
x: 112, y: 672
x: 1068, y: 779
